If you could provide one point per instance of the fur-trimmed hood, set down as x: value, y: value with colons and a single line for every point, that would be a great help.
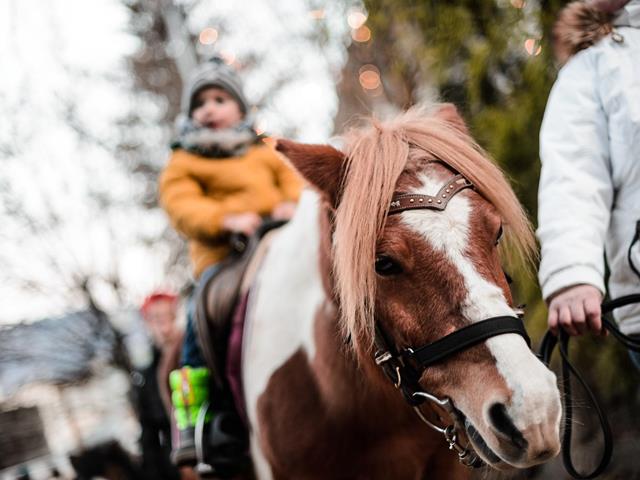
x: 582, y: 24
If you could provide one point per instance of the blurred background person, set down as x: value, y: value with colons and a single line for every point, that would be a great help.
x: 159, y: 311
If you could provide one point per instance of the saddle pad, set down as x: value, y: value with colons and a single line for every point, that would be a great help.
x: 233, y: 370
x: 234, y: 356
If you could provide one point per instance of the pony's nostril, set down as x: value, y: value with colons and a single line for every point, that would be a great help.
x: 502, y: 423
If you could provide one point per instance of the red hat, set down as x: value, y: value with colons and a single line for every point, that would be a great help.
x: 157, y: 297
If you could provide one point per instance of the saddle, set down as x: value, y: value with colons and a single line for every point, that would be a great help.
x: 219, y: 321
x: 217, y: 300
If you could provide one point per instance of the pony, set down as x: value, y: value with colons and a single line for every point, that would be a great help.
x: 348, y: 270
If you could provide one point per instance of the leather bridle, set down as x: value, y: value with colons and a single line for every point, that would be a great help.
x: 405, y: 366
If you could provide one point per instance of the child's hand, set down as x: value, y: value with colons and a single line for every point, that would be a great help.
x: 246, y: 223
x: 283, y: 211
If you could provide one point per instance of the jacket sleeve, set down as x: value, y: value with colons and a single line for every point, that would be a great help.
x: 288, y: 180
x: 191, y: 211
x: 576, y: 192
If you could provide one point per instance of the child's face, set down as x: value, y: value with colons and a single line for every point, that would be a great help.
x: 215, y: 108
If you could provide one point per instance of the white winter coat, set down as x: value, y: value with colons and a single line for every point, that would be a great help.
x: 589, y: 195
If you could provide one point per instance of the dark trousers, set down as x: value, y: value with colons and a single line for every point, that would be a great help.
x: 191, y: 354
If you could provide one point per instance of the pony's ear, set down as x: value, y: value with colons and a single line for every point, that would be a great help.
x: 321, y: 165
x: 449, y: 113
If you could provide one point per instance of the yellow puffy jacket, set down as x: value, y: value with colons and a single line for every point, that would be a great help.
x: 197, y: 192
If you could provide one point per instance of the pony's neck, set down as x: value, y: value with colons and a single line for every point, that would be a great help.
x: 300, y: 373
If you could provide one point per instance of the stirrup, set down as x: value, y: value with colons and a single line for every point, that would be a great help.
x: 202, y: 467
x: 228, y: 452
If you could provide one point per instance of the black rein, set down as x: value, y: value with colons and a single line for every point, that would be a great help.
x: 547, y: 346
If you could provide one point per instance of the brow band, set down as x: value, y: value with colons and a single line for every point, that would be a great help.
x: 400, y: 203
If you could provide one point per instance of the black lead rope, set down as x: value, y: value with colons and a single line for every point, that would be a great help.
x: 546, y: 351
x: 547, y: 347
x: 635, y: 239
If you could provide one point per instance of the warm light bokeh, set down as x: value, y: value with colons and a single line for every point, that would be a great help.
x: 228, y: 57
x: 356, y: 19
x: 369, y: 77
x: 362, y: 34
x: 208, y: 36
x: 532, y: 46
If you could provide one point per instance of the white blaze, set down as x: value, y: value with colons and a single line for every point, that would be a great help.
x: 447, y: 231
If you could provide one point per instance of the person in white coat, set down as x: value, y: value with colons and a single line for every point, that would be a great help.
x: 589, y: 194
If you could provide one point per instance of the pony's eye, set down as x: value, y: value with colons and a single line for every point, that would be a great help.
x: 387, y: 266
x: 500, y: 232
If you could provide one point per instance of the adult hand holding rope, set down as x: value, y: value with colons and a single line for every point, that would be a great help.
x: 576, y: 310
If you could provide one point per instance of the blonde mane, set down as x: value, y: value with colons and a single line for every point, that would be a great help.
x: 377, y: 157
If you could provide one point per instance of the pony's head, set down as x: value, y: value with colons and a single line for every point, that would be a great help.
x: 422, y: 274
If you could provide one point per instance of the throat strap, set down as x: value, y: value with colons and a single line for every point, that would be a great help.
x: 465, y: 338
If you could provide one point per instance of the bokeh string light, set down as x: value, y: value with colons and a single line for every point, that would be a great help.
x: 208, y: 36
x: 356, y: 18
x: 228, y: 57
x: 532, y: 46
x: 362, y: 34
x: 369, y: 77
x: 317, y: 14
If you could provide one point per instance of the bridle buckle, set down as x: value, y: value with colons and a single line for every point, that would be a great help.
x: 383, y: 357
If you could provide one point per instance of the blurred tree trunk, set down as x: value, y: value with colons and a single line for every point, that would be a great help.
x: 166, y: 53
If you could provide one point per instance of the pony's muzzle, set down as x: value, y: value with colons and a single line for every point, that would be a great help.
x: 535, y: 444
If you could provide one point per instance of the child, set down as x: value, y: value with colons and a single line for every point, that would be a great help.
x: 221, y: 178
